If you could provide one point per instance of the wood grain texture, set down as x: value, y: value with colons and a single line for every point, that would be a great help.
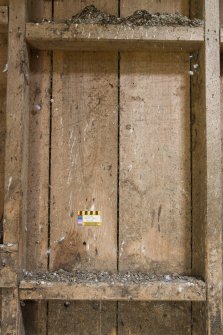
x: 3, y: 19
x: 88, y: 37
x: 12, y: 323
x: 17, y: 118
x: 95, y: 318
x: 16, y: 158
x: 176, y: 290
x: 154, y: 6
x: 35, y: 314
x: 39, y: 136
x: 3, y: 76
x: 155, y: 203
x: 83, y: 168
x: 84, y: 160
x: 199, y: 184
x: 157, y: 104
x: 221, y: 13
x: 151, y: 318
x: 213, y: 222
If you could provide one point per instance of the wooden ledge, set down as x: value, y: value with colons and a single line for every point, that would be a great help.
x: 189, y: 289
x: 3, y: 19
x: 8, y: 247
x: 86, y: 37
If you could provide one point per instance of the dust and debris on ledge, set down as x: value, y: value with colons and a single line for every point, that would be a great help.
x: 91, y: 14
x: 105, y: 277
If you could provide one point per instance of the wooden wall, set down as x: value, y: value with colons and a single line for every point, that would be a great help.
x: 112, y: 132
x: 109, y: 132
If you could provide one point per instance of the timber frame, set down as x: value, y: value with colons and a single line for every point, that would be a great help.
x: 207, y: 264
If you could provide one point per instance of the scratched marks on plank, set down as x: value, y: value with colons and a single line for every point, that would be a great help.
x: 155, y: 204
x: 84, y: 160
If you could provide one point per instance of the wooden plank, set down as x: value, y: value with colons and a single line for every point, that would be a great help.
x: 90, y: 318
x: 3, y: 76
x: 60, y: 36
x: 8, y: 247
x: 155, y: 204
x: 178, y: 290
x: 11, y: 313
x: 39, y: 139
x: 17, y: 117
x: 197, y: 9
x: 84, y: 160
x: 221, y: 39
x: 34, y: 317
x: 35, y: 314
x: 142, y: 318
x: 167, y: 6
x: 8, y: 273
x: 199, y: 194
x: 161, y: 100
x: 83, y: 164
x: 155, y: 224
x: 3, y: 19
x: 16, y: 153
x: 213, y: 222
x: 221, y: 13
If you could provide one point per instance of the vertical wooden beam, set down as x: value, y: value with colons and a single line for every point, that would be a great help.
x: 16, y: 155
x: 34, y: 313
x: 213, y: 241
x: 12, y: 323
x: 199, y: 180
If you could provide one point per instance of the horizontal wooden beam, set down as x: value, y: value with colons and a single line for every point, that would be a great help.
x: 3, y: 19
x: 177, y: 290
x: 61, y: 36
x: 8, y: 247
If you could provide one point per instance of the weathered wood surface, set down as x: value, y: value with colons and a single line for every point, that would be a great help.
x: 213, y: 220
x: 3, y: 76
x: 84, y: 160
x: 3, y: 19
x: 155, y: 203
x: 221, y: 39
x: 198, y: 166
x: 83, y: 164
x: 12, y: 323
x: 83, y: 318
x: 8, y: 273
x: 39, y: 140
x: 17, y: 118
x: 35, y: 317
x: 178, y: 290
x: 161, y: 99
x: 154, y: 318
x: 59, y: 36
x: 16, y: 164
x: 3, y: 62
x: 161, y: 6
